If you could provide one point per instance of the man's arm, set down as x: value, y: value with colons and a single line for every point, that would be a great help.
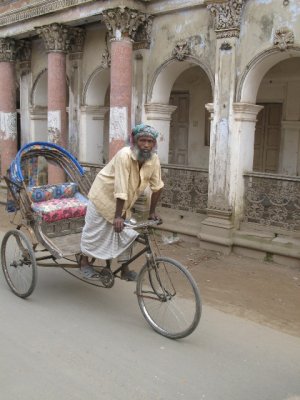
x: 154, y: 199
x: 119, y: 221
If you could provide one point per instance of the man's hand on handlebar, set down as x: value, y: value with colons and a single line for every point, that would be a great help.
x: 118, y: 224
x: 155, y: 217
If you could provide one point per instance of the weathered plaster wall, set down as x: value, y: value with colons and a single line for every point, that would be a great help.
x: 169, y: 29
x: 260, y: 20
x: 39, y: 62
x: 93, y: 49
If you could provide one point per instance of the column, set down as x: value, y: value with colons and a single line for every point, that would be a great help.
x: 159, y: 116
x: 122, y: 24
x: 217, y: 228
x: 8, y: 114
x: 242, y: 152
x: 57, y: 42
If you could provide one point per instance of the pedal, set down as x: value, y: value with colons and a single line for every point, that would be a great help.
x: 107, y: 277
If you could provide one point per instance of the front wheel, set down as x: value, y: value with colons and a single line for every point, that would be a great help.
x: 18, y: 263
x: 169, y: 298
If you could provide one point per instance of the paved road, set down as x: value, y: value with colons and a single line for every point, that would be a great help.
x: 74, y: 341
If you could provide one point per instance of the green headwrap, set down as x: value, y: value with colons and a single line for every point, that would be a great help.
x: 144, y: 130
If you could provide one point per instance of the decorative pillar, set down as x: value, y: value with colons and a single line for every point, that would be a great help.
x: 8, y: 114
x: 122, y: 25
x: 218, y: 226
x: 159, y: 116
x: 242, y: 152
x: 57, y: 40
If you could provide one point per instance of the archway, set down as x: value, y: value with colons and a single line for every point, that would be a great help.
x: 179, y: 76
x: 269, y: 79
x: 190, y: 125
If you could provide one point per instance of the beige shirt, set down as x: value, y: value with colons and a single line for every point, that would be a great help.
x: 122, y: 178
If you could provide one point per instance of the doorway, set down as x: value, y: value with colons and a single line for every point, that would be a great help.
x: 179, y: 128
x: 267, y: 138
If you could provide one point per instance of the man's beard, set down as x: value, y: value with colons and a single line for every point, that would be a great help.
x: 143, y: 155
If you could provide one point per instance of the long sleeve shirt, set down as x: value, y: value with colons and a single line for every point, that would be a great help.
x: 123, y: 178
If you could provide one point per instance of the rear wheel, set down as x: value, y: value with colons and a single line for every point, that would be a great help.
x: 169, y: 298
x: 18, y: 263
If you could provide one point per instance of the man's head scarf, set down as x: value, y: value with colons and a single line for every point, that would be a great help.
x: 144, y: 130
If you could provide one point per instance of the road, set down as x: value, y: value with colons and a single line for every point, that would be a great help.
x: 73, y: 341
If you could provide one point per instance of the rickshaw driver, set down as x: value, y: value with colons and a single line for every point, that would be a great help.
x: 113, y: 193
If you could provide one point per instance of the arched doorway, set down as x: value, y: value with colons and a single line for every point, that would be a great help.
x: 188, y: 85
x: 190, y: 125
x: 277, y: 134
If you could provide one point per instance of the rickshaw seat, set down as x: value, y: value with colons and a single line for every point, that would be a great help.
x: 57, y: 202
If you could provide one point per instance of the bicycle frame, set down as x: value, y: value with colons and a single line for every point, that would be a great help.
x: 143, y: 238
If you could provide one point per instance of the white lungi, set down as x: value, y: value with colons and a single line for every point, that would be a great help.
x: 99, y: 239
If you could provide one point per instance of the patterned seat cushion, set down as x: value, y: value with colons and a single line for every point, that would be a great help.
x: 49, y: 192
x: 58, y: 209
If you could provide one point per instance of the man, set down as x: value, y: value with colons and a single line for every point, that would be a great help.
x: 113, y: 193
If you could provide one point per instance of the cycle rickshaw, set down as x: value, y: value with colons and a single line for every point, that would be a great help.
x: 48, y: 234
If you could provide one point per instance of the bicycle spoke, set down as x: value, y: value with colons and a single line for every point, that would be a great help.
x: 177, y: 310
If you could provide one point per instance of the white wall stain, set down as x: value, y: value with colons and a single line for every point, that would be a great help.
x: 8, y: 125
x: 54, y: 126
x: 118, y: 125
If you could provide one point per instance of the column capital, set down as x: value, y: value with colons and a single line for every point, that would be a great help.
x: 227, y: 14
x: 159, y: 111
x: 246, y: 111
x: 56, y: 37
x: 210, y: 107
x: 125, y: 22
x: 8, y: 50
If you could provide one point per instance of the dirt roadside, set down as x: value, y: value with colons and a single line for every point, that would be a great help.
x: 260, y: 291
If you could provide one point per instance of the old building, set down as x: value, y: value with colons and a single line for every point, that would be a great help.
x: 220, y: 79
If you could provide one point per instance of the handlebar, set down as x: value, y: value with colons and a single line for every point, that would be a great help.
x: 132, y: 223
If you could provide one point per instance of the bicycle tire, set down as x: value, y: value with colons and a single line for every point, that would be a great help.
x: 165, y: 307
x: 18, y: 263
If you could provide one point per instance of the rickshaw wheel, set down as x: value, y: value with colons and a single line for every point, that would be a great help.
x: 18, y: 263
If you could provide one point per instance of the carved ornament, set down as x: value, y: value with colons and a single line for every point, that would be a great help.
x: 106, y: 59
x: 226, y: 46
x: 227, y: 17
x: 56, y: 37
x: 181, y: 50
x: 8, y: 49
x: 123, y: 21
x: 105, y: 56
x: 283, y: 38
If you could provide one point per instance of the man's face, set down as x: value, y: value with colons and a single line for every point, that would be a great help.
x: 145, y: 145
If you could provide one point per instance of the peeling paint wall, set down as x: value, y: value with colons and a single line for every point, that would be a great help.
x: 260, y: 20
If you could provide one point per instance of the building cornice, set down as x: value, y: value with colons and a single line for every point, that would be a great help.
x: 37, y: 9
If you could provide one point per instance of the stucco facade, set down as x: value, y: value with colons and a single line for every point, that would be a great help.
x: 203, y: 72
